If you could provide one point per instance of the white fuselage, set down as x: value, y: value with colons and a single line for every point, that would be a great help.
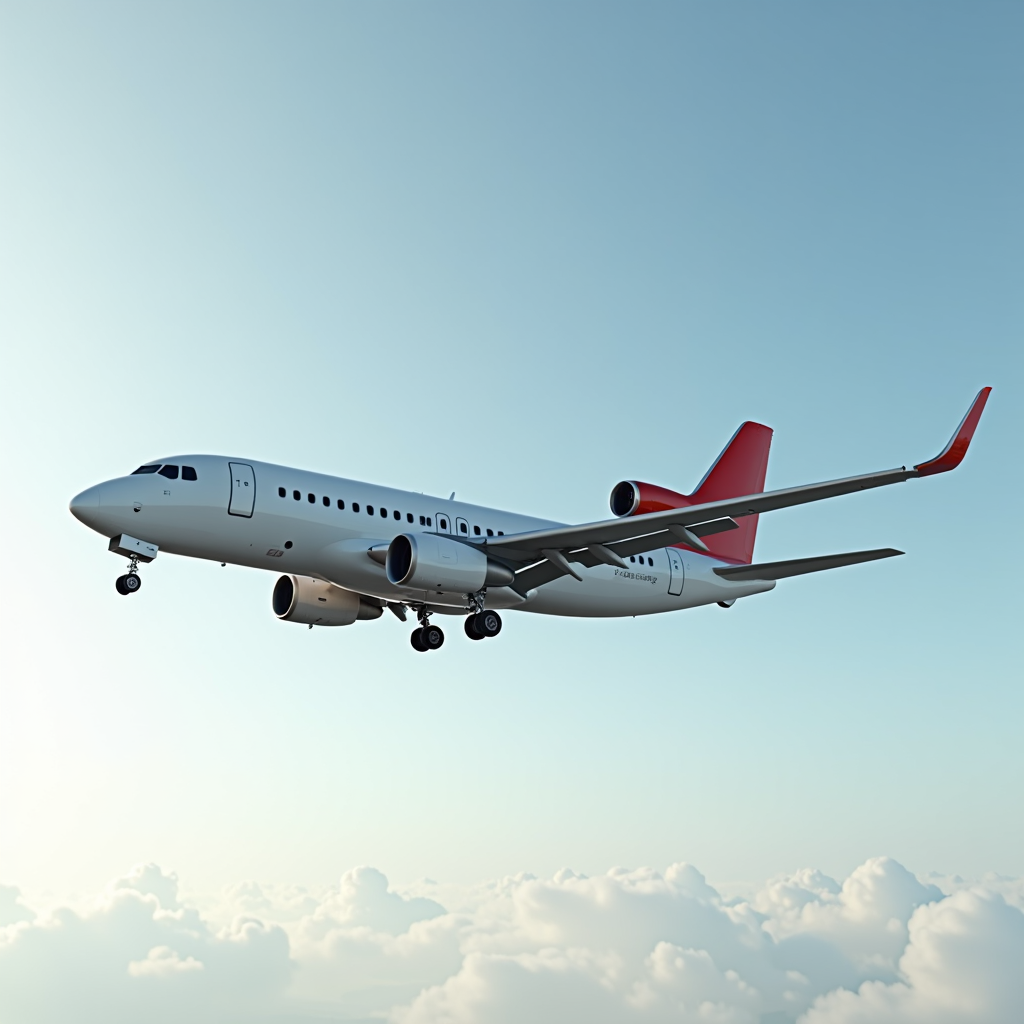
x: 217, y: 517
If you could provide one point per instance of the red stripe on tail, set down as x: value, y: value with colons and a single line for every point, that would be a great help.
x: 739, y: 470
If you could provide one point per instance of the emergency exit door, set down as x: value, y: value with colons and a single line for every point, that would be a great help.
x: 243, y: 489
x: 675, y: 565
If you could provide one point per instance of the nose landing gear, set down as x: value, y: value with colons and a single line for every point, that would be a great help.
x: 131, y: 582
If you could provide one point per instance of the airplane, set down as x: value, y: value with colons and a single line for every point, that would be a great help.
x: 347, y: 549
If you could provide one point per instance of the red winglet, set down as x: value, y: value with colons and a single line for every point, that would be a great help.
x: 953, y: 454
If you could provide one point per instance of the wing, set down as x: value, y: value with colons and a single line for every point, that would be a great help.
x: 609, y: 540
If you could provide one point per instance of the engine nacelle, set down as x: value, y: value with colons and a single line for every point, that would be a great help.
x: 634, y: 498
x: 316, y: 603
x: 426, y: 561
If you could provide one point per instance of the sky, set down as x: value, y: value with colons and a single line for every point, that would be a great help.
x: 521, y: 252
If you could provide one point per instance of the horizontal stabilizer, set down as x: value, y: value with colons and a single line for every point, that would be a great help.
x: 798, y: 566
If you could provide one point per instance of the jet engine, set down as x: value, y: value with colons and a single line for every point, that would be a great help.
x: 316, y: 603
x: 425, y: 561
x: 634, y: 498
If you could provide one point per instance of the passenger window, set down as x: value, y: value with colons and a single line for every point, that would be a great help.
x: 355, y: 506
x: 171, y: 472
x: 383, y: 513
x: 398, y: 515
x: 423, y: 520
x: 188, y: 473
x: 327, y: 501
x: 311, y: 498
x: 341, y: 505
x: 463, y: 528
x: 441, y: 523
x: 428, y: 521
x: 476, y: 530
x: 369, y: 510
x: 490, y: 532
x: 408, y: 516
x: 146, y: 469
x: 282, y: 493
x: 296, y: 495
x: 650, y: 562
x: 501, y: 533
x: 632, y: 558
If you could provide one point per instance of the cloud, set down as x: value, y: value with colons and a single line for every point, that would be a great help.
x: 150, y: 880
x: 866, y: 918
x: 12, y: 909
x: 130, y: 959
x: 161, y: 962
x: 629, y: 946
x: 963, y: 962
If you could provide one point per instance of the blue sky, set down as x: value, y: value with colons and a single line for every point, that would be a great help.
x: 521, y: 253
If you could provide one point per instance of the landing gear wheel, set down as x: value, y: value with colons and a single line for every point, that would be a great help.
x: 431, y: 637
x: 121, y: 588
x: 132, y: 583
x: 471, y: 631
x: 487, y: 624
x: 417, y: 640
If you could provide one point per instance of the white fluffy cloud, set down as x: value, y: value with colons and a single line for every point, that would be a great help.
x: 964, y: 962
x: 138, y: 955
x: 628, y: 946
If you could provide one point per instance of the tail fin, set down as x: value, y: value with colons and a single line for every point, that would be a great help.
x: 739, y: 470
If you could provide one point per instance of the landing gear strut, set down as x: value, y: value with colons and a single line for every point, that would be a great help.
x: 483, y: 625
x: 131, y: 582
x: 427, y: 637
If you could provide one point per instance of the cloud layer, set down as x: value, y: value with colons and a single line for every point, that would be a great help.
x: 629, y: 946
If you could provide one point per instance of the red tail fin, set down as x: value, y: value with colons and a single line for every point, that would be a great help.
x: 740, y: 469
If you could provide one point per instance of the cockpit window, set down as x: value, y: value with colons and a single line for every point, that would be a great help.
x: 171, y: 472
x: 146, y: 469
x: 188, y: 473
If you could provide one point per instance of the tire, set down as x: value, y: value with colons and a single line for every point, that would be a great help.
x: 132, y: 583
x: 488, y: 623
x: 417, y: 640
x: 471, y: 631
x: 431, y: 637
x: 121, y: 588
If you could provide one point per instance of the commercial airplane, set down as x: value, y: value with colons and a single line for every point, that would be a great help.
x: 348, y: 550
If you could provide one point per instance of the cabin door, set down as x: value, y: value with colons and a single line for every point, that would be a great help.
x: 675, y: 565
x: 243, y: 489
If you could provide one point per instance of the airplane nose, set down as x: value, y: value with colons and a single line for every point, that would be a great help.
x: 84, y: 506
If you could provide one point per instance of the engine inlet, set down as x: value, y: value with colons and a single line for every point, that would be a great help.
x: 624, y: 499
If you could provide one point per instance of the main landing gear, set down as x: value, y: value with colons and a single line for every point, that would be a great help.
x: 427, y: 637
x: 131, y: 582
x: 483, y: 625
x: 479, y: 626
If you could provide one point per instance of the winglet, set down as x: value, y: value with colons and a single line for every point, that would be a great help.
x: 953, y: 454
